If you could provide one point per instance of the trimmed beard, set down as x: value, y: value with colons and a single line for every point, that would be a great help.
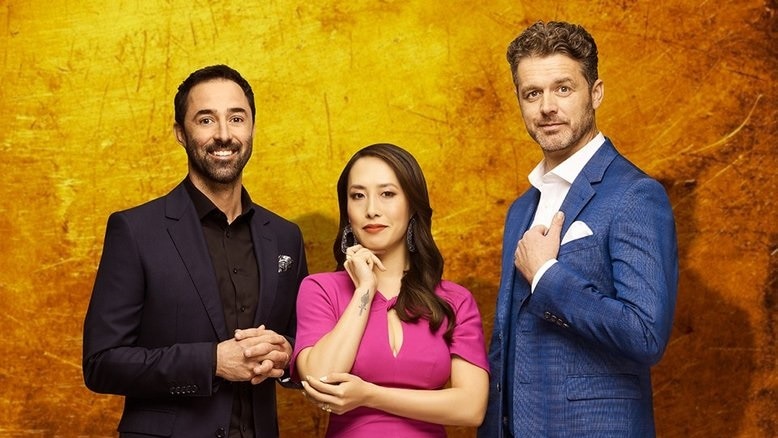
x: 213, y: 171
x: 565, y: 143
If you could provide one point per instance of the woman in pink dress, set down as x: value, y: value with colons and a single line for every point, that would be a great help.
x: 384, y: 343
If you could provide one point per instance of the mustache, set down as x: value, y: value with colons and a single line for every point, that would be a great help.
x: 550, y: 120
x: 220, y: 146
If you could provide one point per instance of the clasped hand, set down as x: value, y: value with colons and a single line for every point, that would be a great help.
x: 253, y: 355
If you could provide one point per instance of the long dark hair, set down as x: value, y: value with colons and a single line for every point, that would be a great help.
x: 417, y: 298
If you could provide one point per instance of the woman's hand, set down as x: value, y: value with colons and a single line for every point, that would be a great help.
x: 360, y: 264
x: 337, y: 392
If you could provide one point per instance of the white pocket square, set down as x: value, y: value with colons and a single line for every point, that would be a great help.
x: 577, y: 230
x: 284, y: 263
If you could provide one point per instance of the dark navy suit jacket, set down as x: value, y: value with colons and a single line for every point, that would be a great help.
x: 155, y: 315
x: 585, y: 340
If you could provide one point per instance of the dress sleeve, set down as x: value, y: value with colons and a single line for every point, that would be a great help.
x: 316, y: 314
x: 468, y: 339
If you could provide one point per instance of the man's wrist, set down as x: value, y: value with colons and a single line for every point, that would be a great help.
x: 543, y: 268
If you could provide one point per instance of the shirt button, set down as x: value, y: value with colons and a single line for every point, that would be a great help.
x: 234, y: 270
x: 242, y: 308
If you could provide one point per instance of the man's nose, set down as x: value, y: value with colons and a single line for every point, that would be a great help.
x: 222, y: 133
x: 548, y: 104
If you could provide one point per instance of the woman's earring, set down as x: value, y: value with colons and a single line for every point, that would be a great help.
x: 345, y: 240
x: 409, y: 235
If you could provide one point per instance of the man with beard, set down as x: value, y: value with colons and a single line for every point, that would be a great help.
x: 589, y: 263
x: 192, y: 315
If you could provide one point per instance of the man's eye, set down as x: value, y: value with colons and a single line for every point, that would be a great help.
x: 237, y: 119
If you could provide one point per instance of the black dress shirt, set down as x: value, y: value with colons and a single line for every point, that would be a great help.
x: 235, y: 265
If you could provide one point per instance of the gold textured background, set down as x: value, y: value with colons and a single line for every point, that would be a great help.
x: 86, y: 93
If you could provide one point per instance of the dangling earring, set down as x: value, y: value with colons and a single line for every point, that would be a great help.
x: 345, y: 240
x: 409, y: 235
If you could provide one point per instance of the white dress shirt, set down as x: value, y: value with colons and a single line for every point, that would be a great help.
x: 554, y: 185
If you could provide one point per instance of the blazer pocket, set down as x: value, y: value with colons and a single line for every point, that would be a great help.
x: 623, y: 386
x: 578, y: 244
x: 147, y: 421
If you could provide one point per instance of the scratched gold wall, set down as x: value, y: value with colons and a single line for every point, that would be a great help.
x: 86, y: 92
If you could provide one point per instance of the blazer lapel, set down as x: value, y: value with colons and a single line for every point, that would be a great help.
x: 186, y: 232
x: 519, y: 219
x: 266, y: 251
x: 583, y: 188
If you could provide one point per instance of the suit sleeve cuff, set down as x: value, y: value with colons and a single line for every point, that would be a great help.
x: 541, y: 271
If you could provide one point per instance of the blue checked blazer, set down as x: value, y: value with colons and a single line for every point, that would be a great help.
x: 598, y: 320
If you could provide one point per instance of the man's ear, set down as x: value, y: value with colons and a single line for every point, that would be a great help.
x: 598, y: 93
x: 180, y: 135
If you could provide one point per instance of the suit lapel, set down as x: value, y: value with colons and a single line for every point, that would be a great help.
x: 266, y: 251
x: 187, y: 234
x: 583, y: 188
x: 519, y: 219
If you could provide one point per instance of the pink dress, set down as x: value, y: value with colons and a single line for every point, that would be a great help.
x: 423, y: 362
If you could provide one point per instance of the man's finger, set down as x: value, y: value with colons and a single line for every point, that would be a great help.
x: 555, y: 230
x: 241, y: 334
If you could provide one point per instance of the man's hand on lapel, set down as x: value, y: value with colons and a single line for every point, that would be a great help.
x: 538, y: 245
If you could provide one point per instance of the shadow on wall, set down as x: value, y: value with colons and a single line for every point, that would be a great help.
x: 296, y: 415
x: 319, y: 233
x: 768, y: 396
x: 701, y: 386
x: 485, y: 292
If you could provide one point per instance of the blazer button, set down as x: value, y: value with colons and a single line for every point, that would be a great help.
x: 220, y: 433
